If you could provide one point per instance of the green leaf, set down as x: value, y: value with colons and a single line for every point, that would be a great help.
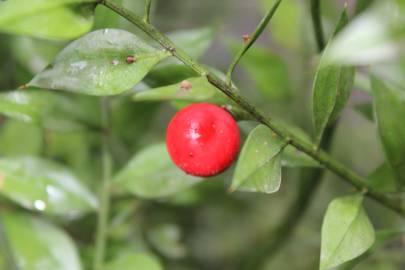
x: 14, y: 132
x: 195, y: 42
x: 381, y: 238
x: 331, y: 90
x: 42, y: 185
x: 390, y: 72
x: 194, y: 89
x: 53, y: 111
x: 166, y: 74
x: 152, y: 174
x: 141, y: 261
x: 96, y: 64
x: 259, y: 166
x: 383, y: 179
x: 53, y: 19
x: 39, y: 245
x: 346, y: 231
x: 373, y: 36
x: 166, y: 239
x: 389, y: 106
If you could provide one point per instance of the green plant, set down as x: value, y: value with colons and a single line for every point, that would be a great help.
x: 100, y: 127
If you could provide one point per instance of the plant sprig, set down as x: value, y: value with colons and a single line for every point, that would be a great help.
x: 308, y: 148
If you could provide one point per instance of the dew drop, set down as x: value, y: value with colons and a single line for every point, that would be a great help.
x: 115, y: 62
x: 105, y: 31
x: 191, y: 154
x: 39, y: 205
x: 80, y: 65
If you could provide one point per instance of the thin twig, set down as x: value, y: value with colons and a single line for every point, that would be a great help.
x: 102, y: 224
x: 146, y: 16
x: 252, y: 39
x: 308, y: 148
x: 317, y: 24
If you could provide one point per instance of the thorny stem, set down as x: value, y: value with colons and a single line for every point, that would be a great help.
x: 102, y: 223
x: 308, y: 148
x: 252, y: 39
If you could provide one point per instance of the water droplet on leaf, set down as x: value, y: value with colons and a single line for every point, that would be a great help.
x: 39, y: 205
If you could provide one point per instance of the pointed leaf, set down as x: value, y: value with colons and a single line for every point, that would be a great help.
x: 135, y: 261
x: 39, y: 245
x: 14, y: 132
x: 259, y: 166
x: 331, y: 90
x: 389, y: 106
x: 152, y: 174
x: 382, y: 237
x: 194, y: 89
x: 104, y: 62
x: 51, y: 110
x: 167, y: 238
x: 346, y: 231
x: 42, y: 185
x: 54, y: 19
x: 195, y: 42
x: 373, y: 36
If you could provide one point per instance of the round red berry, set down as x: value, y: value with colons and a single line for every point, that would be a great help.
x: 203, y: 139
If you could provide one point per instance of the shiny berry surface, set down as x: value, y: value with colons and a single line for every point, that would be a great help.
x: 203, y: 139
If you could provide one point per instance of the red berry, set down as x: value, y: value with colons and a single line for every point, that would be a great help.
x: 203, y: 139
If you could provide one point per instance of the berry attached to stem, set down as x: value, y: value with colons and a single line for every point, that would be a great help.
x: 203, y: 139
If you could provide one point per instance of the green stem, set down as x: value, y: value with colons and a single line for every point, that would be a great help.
x: 252, y: 39
x: 146, y: 16
x: 308, y: 148
x: 317, y: 24
x: 102, y: 224
x: 310, y: 180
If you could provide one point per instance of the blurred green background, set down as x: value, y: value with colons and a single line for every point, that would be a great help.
x: 203, y: 227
